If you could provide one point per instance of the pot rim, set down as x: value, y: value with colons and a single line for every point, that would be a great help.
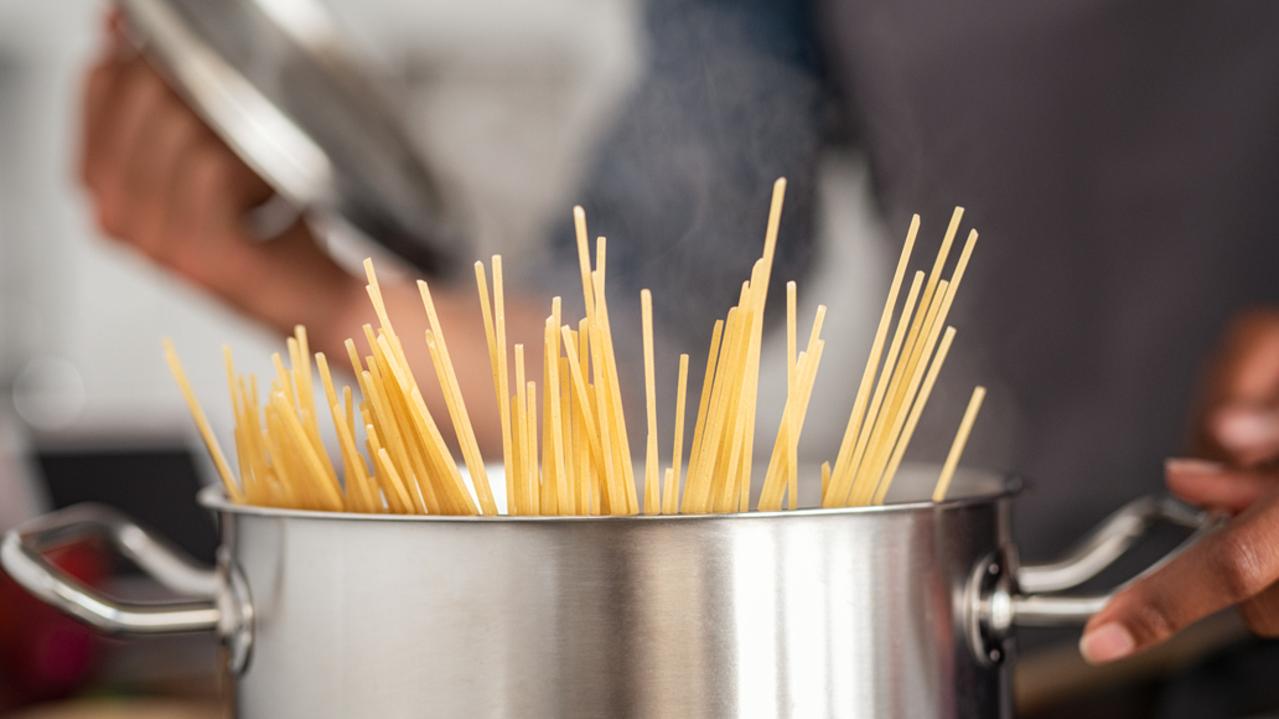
x: 1009, y: 483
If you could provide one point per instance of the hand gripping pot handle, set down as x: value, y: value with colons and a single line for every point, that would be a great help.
x: 220, y: 601
x: 1001, y: 596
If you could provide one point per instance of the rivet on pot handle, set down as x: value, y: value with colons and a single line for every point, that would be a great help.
x: 1001, y: 597
x: 224, y: 611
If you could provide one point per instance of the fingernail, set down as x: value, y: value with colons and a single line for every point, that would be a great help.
x: 1107, y: 643
x: 1243, y: 429
x: 1186, y: 465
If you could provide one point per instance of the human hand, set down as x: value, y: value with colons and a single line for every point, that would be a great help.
x: 164, y: 185
x: 161, y: 183
x: 1239, y: 564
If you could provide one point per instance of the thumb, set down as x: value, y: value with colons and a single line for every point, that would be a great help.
x: 1221, y: 570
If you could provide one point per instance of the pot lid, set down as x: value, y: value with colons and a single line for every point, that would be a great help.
x: 274, y: 81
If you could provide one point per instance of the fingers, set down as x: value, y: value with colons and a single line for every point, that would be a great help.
x: 1248, y: 434
x: 1246, y: 366
x: 97, y: 84
x: 149, y: 181
x: 139, y: 137
x: 162, y: 183
x: 1261, y: 613
x: 210, y: 190
x: 1240, y: 564
x: 199, y: 187
x: 1213, y: 485
x: 1209, y: 484
x: 117, y: 138
x: 1238, y: 420
x: 1221, y: 570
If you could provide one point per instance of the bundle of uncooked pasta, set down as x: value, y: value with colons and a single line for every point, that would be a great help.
x: 565, y: 447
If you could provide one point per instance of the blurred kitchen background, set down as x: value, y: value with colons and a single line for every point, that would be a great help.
x: 507, y: 99
x: 511, y: 95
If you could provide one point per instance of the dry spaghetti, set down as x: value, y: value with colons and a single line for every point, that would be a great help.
x: 571, y: 455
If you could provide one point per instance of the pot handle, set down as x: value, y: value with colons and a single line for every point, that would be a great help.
x: 1005, y: 597
x: 1107, y: 542
x: 21, y: 554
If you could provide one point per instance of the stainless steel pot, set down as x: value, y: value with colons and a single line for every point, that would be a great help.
x: 896, y: 611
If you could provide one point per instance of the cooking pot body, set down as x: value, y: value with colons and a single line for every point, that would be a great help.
x: 847, y: 613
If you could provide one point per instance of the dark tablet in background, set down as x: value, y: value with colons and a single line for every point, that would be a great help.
x: 154, y: 484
